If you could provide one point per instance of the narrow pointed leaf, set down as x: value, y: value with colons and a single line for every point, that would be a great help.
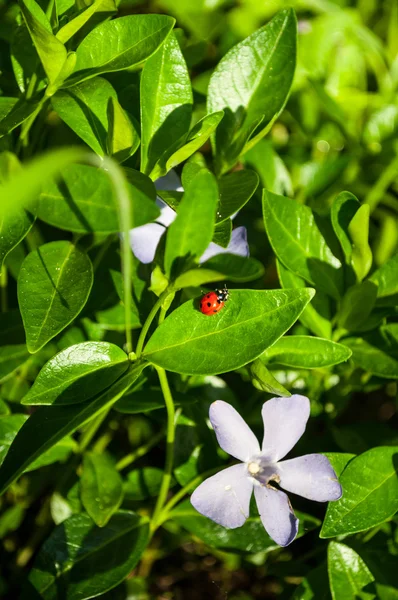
x: 166, y: 106
x: 306, y: 352
x: 120, y: 44
x: 101, y: 488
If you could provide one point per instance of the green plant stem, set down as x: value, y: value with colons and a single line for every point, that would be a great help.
x: 92, y: 430
x: 156, y: 307
x: 3, y: 285
x: 182, y: 492
x: 377, y: 192
x: 127, y: 460
x: 102, y: 251
x: 126, y: 224
x: 170, y: 437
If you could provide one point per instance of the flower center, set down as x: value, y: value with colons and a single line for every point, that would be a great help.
x: 262, y: 470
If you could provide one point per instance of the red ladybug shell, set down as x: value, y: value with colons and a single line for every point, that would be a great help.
x: 213, y: 302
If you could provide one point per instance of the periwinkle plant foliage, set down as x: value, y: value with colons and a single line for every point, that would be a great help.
x: 240, y: 121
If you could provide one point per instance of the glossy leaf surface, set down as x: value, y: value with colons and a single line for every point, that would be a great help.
x: 251, y: 321
x: 299, y: 243
x: 370, y: 493
x: 77, y: 373
x: 101, y: 487
x: 53, y: 286
x: 348, y: 574
x: 81, y: 560
x: 306, y: 352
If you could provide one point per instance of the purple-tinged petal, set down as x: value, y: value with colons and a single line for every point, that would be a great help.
x: 233, y: 434
x: 144, y: 240
x: 170, y: 182
x: 276, y: 514
x: 167, y: 214
x: 310, y: 476
x: 225, y: 497
x: 284, y: 424
x: 237, y: 245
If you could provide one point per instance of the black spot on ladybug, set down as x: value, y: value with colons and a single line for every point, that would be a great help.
x: 209, y: 304
x: 214, y: 311
x: 218, y: 301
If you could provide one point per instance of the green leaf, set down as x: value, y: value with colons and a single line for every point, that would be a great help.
x: 24, y: 188
x: 148, y: 399
x: 51, y: 51
x: 339, y: 460
x: 317, y: 315
x: 143, y: 483
x: 189, y: 342
x: 14, y: 112
x: 77, y: 373
x: 47, y: 425
x: 358, y: 229
x: 251, y: 537
x: 11, y: 358
x: 306, y: 352
x: 101, y: 487
x: 120, y: 44
x: 272, y: 170
x: 299, y: 243
x: 84, y: 201
x: 84, y: 109
x: 123, y: 132
x: 387, y: 281
x: 191, y: 232
x: 342, y: 212
x: 372, y: 359
x: 166, y: 107
x: 13, y: 228
x: 222, y: 233
x: 53, y: 286
x: 222, y: 267
x: 349, y: 577
x: 264, y: 381
x: 370, y: 493
x: 251, y: 84
x: 196, y: 138
x: 357, y: 304
x: 9, y: 427
x: 74, y: 25
x: 80, y: 560
x: 236, y: 189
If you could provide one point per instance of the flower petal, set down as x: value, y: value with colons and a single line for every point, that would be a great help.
x: 237, y: 245
x: 284, y: 424
x: 170, y: 182
x: 167, y: 214
x: 310, y: 476
x: 276, y: 514
x: 144, y: 240
x: 233, y: 434
x: 225, y: 497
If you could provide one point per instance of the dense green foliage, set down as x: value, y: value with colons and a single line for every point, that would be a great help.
x: 280, y: 123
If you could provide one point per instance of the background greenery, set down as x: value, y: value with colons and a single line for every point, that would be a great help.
x: 76, y: 524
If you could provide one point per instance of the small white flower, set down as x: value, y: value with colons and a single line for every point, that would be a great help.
x: 225, y: 497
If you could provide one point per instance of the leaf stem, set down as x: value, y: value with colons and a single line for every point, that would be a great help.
x: 91, y: 430
x: 141, y: 451
x: 170, y: 437
x: 156, y: 307
x: 126, y: 224
x: 3, y: 285
x: 182, y: 492
x: 387, y: 177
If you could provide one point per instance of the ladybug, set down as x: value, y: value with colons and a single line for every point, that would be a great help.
x: 213, y: 302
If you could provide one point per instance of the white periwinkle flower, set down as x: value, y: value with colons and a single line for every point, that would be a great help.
x: 144, y: 240
x: 225, y: 497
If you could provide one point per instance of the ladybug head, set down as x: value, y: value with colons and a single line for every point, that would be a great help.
x: 223, y: 294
